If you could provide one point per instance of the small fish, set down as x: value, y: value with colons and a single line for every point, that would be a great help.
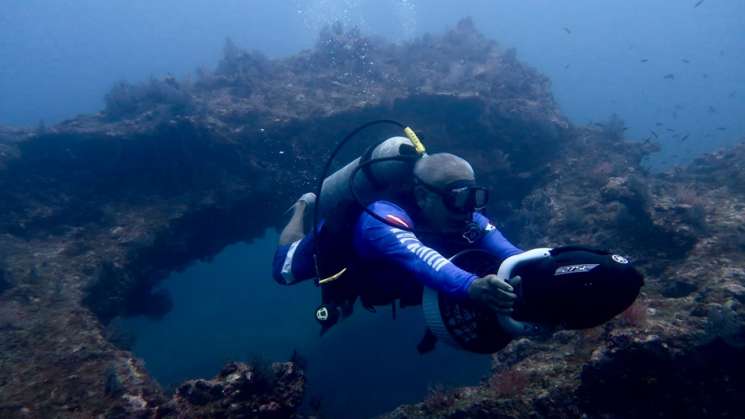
x: 698, y: 3
x: 670, y: 130
x: 670, y: 76
x: 706, y: 76
x: 733, y: 94
x: 659, y: 124
x: 566, y: 67
x: 685, y: 137
x: 643, y: 60
x: 654, y: 133
x: 722, y: 128
x: 567, y: 30
x: 686, y: 61
x: 712, y: 109
x: 679, y: 106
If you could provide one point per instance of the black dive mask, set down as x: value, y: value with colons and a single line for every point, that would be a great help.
x: 461, y: 196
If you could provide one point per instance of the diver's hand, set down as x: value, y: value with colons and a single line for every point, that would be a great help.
x: 494, y: 293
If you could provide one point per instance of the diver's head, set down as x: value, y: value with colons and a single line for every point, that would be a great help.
x: 445, y: 190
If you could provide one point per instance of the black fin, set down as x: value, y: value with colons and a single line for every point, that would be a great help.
x: 427, y: 344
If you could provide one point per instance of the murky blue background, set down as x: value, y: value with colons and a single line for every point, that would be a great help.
x: 59, y: 57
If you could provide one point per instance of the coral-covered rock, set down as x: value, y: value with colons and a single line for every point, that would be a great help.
x: 718, y: 169
x: 240, y: 391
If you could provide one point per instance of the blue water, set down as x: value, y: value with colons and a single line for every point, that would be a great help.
x: 231, y: 309
x: 59, y: 58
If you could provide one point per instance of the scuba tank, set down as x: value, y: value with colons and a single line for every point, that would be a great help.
x: 568, y: 287
x: 384, y: 164
x: 339, y: 190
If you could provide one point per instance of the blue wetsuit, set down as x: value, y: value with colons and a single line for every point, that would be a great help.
x: 391, y: 255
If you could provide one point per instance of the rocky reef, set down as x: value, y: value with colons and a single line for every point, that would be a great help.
x: 240, y: 391
x: 96, y: 210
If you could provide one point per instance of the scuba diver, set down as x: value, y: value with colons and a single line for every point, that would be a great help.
x: 421, y: 238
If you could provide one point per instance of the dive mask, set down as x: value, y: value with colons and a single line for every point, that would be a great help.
x: 461, y: 196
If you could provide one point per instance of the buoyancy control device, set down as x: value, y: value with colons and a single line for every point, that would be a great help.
x: 377, y: 172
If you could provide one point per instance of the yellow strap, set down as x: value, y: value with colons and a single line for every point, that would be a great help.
x: 333, y: 277
x: 418, y: 145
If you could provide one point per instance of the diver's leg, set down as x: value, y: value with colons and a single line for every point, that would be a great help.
x: 293, y: 260
x: 293, y: 231
x: 295, y: 228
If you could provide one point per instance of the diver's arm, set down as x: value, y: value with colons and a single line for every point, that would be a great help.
x: 376, y: 240
x: 493, y: 241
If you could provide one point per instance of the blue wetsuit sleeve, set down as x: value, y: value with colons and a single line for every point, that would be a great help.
x: 376, y: 240
x: 494, y: 241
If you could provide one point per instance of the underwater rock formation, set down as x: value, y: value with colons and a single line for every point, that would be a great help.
x: 97, y: 210
x: 240, y: 391
x: 721, y: 168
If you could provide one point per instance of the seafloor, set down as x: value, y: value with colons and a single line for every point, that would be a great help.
x: 96, y: 210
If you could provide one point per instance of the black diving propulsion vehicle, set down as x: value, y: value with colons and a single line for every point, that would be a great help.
x: 568, y: 287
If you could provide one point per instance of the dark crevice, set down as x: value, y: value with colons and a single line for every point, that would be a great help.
x: 4, y: 282
x: 651, y: 381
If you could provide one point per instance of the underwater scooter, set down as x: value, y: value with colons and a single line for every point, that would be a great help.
x: 568, y: 287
